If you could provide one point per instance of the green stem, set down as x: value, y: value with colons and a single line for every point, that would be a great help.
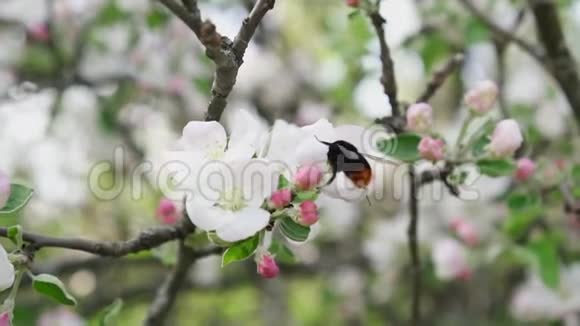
x: 462, y: 133
x: 8, y: 304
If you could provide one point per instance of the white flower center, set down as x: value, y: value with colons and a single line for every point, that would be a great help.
x: 215, y: 152
x: 232, y: 200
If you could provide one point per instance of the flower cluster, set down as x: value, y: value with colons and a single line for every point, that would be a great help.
x: 502, y: 143
x: 240, y: 186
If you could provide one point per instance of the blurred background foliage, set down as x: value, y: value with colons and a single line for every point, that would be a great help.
x: 79, y: 78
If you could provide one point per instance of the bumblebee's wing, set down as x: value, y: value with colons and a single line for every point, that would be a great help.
x: 382, y: 159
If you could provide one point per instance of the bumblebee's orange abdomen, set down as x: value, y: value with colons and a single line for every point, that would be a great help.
x: 362, y: 178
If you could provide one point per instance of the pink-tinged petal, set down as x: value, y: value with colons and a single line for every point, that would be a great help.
x: 5, y: 319
x: 506, y: 138
x: 420, y: 117
x: 525, y: 169
x: 482, y: 97
x: 352, y: 3
x: 308, y: 213
x: 280, y: 198
x: 432, y: 149
x: 267, y: 267
x: 450, y: 260
x: 307, y: 177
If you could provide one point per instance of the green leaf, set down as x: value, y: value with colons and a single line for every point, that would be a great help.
x: 19, y: 196
x: 282, y: 253
x: 240, y: 250
x: 304, y: 196
x: 112, y: 105
x: 545, y: 252
x: 14, y: 233
x: 496, y: 168
x: 293, y: 230
x: 434, y: 48
x: 109, y: 315
x: 37, y: 60
x: 157, y: 18
x: 403, y: 147
x: 575, y: 173
x: 283, y: 182
x: 479, y: 145
x: 111, y: 13
x: 522, y: 201
x: 524, y: 209
x: 52, y: 287
x: 476, y: 32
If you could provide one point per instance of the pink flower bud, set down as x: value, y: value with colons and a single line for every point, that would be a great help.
x: 4, y: 189
x: 525, y: 169
x: 307, y: 177
x: 39, y: 32
x: 420, y: 117
x: 432, y: 149
x: 267, y: 267
x: 308, y: 213
x: 506, y: 138
x: 450, y: 260
x: 353, y: 3
x: 5, y: 319
x: 167, y: 212
x: 280, y: 198
x: 482, y: 97
x: 466, y: 231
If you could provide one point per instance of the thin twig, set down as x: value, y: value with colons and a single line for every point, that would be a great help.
x: 414, y: 249
x: 167, y: 293
x: 439, y: 77
x: 504, y: 35
x: 388, y: 67
x: 225, y: 53
x: 250, y: 25
x: 559, y: 59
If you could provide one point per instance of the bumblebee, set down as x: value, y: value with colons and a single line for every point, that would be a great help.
x: 344, y: 157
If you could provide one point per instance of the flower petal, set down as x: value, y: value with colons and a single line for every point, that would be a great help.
x: 246, y: 129
x: 343, y: 188
x: 207, y: 218
x: 257, y: 180
x: 203, y: 136
x: 245, y: 223
x: 284, y: 139
x: 6, y: 270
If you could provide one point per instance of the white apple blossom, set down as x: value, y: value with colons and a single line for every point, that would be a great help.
x: 534, y: 301
x: 450, y: 260
x: 228, y: 198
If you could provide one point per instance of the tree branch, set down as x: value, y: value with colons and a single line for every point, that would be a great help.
x: 250, y: 25
x: 439, y: 77
x: 388, y: 67
x: 559, y: 60
x: 167, y: 293
x: 503, y: 35
x: 227, y: 55
x: 147, y: 239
